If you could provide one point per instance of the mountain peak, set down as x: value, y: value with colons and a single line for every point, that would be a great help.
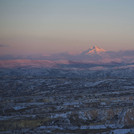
x: 95, y: 50
x: 93, y: 47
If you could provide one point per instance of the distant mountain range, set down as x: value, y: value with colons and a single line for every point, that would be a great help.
x: 93, y: 55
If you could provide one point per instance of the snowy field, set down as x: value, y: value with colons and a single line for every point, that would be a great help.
x: 67, y: 100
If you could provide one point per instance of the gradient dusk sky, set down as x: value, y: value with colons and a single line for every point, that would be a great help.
x: 53, y: 26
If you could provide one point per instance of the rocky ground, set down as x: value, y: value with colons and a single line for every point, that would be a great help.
x: 77, y: 102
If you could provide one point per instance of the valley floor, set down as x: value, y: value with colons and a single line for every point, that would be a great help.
x: 55, y: 104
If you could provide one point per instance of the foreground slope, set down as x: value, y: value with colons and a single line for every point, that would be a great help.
x: 69, y: 100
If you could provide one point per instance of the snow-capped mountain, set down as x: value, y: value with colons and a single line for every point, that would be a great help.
x: 94, y: 54
x: 94, y: 50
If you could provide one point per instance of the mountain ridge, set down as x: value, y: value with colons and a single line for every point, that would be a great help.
x: 94, y: 50
x: 92, y: 55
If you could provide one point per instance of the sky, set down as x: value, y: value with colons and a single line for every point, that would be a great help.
x: 54, y: 26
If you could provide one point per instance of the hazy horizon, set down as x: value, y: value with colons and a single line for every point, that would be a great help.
x: 49, y: 27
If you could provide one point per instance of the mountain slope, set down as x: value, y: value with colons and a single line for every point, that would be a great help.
x: 94, y: 50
